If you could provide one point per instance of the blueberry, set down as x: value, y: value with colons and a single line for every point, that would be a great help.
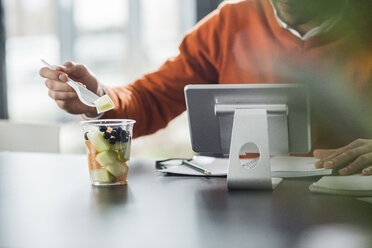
x: 106, y: 135
x: 114, y: 132
x: 124, y: 133
x: 86, y: 135
x: 117, y: 138
x: 112, y: 141
x: 124, y: 136
x: 102, y: 128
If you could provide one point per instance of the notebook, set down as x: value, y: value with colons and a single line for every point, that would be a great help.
x: 281, y: 166
x: 353, y: 185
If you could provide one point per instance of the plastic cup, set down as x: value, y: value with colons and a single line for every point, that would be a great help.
x: 108, y: 144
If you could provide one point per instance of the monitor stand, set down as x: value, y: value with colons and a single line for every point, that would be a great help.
x: 258, y: 175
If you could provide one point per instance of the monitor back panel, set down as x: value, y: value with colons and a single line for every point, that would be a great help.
x: 212, y: 134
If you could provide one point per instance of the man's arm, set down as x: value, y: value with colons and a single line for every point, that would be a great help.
x: 158, y: 97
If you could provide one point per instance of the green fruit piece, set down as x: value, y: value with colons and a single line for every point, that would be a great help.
x: 121, y: 149
x: 98, y: 141
x: 122, y: 155
x: 118, y: 146
x: 103, y: 104
x: 109, y: 160
x: 127, y: 151
x: 101, y: 175
x: 106, y: 158
x: 117, y: 169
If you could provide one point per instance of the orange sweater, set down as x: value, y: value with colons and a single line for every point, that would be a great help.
x: 242, y: 43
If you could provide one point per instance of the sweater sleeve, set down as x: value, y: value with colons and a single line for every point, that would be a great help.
x: 158, y: 97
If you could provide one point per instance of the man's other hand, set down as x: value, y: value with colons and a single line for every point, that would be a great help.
x: 350, y: 159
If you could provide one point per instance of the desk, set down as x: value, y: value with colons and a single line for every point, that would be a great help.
x: 46, y: 200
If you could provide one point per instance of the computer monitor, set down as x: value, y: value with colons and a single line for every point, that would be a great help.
x: 226, y: 118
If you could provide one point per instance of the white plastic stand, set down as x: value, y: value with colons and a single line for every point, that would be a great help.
x: 250, y: 126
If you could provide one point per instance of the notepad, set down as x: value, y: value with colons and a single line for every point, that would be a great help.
x: 281, y: 166
x: 353, y: 185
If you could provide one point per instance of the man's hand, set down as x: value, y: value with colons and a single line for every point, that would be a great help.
x: 65, y: 97
x: 350, y: 159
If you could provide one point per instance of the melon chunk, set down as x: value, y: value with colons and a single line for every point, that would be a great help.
x: 117, y: 169
x: 127, y: 151
x: 103, y: 104
x: 109, y: 160
x: 121, y: 149
x: 106, y: 157
x: 101, y: 175
x: 98, y: 141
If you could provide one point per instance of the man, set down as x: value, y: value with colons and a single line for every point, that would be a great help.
x: 317, y: 42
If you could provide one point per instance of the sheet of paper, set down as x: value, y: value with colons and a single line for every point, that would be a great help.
x: 217, y: 166
x: 290, y: 166
x: 282, y: 166
x: 355, y: 185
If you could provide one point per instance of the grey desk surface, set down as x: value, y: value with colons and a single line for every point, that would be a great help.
x: 46, y: 200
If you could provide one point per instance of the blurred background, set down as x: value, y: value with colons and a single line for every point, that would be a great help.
x: 119, y: 40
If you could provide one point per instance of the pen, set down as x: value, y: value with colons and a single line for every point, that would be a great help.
x: 197, y: 168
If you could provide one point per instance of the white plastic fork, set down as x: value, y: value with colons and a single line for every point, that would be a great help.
x: 85, y: 96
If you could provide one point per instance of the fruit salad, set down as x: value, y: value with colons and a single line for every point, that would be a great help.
x: 108, y: 154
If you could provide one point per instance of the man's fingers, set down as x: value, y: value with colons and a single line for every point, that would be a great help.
x: 68, y: 68
x: 347, y: 156
x: 58, y: 86
x: 62, y: 104
x: 367, y: 171
x: 60, y: 95
x: 319, y: 164
x: 61, y: 68
x: 52, y: 74
x: 359, y: 163
x: 74, y: 70
x: 357, y: 155
x: 337, y: 152
x: 323, y: 153
x: 69, y: 64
